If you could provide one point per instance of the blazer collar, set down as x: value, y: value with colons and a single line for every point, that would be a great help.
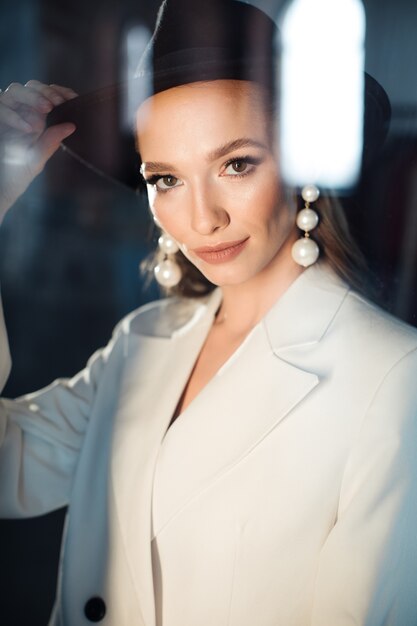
x: 302, y: 314
x: 305, y: 311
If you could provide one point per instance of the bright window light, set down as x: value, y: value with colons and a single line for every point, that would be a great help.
x: 322, y: 83
x: 136, y: 40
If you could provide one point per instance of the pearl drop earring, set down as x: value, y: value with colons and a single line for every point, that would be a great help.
x: 305, y: 251
x: 168, y: 273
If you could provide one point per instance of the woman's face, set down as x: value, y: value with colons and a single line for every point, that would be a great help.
x: 213, y: 179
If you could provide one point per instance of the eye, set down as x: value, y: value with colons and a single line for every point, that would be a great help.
x: 163, y: 183
x: 167, y: 182
x: 237, y: 167
x: 241, y: 166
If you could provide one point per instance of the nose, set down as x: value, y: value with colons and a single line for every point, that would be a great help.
x: 208, y: 214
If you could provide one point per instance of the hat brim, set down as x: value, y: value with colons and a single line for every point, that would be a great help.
x: 104, y: 140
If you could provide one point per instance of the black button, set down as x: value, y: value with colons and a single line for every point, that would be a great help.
x: 95, y: 609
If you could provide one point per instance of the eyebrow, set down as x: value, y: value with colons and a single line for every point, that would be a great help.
x: 236, y: 144
x: 213, y: 155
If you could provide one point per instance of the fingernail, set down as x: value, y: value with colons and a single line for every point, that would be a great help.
x: 69, y: 128
x: 57, y: 100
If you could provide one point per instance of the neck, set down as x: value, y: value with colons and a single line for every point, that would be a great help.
x: 244, y: 305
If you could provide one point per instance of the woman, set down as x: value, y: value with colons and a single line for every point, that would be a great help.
x: 243, y: 457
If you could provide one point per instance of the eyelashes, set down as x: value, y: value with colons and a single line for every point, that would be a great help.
x: 245, y: 160
x: 153, y: 180
x: 249, y: 161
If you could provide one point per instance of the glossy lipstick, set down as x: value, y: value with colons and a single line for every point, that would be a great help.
x: 221, y: 253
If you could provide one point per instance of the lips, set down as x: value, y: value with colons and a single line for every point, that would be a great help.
x: 222, y: 252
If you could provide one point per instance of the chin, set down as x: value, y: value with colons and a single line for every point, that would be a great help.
x: 224, y: 277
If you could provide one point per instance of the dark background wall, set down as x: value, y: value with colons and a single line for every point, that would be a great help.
x: 71, y: 246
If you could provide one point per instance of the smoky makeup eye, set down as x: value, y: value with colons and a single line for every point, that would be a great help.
x: 241, y: 166
x: 163, y: 183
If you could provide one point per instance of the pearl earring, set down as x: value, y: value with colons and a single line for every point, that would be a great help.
x: 167, y: 273
x: 305, y: 251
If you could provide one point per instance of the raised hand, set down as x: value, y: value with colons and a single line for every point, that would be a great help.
x: 25, y: 142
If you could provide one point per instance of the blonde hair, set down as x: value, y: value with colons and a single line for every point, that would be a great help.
x: 337, y: 246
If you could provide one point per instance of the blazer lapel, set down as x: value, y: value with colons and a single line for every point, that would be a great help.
x: 155, y: 372
x: 228, y: 419
x: 303, y: 314
x: 252, y: 393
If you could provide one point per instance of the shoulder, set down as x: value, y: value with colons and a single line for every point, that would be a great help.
x: 321, y: 315
x: 328, y: 326
x: 356, y: 323
x: 163, y: 318
x: 367, y: 357
x: 371, y: 329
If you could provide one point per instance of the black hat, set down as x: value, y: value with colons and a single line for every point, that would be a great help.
x: 192, y: 41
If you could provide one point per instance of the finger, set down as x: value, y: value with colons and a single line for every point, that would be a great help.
x: 65, y: 92
x: 47, y: 91
x: 10, y: 118
x: 49, y: 143
x: 16, y: 94
x: 57, y: 94
x: 31, y: 116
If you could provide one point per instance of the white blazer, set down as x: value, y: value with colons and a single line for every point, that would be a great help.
x: 284, y: 495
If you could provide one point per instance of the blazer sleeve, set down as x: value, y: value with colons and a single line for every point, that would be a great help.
x: 41, y: 434
x: 367, y: 574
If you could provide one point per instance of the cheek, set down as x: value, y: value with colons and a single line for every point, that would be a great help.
x: 274, y: 217
x: 264, y: 204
